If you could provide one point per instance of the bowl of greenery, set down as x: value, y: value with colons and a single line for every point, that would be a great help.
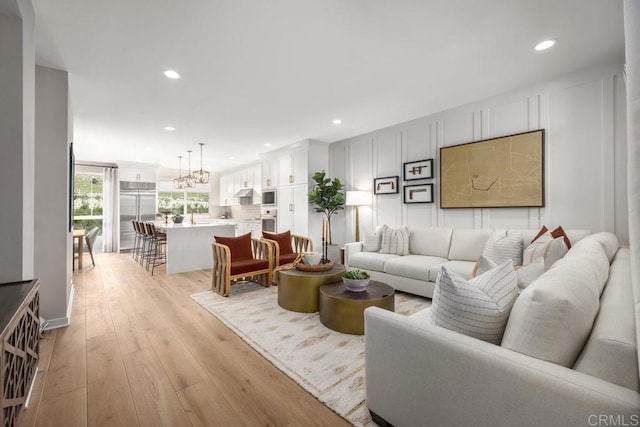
x: 356, y: 280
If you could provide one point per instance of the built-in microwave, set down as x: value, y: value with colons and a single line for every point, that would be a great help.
x: 268, y: 197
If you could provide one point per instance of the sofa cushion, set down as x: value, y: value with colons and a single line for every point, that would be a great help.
x: 501, y: 247
x: 412, y: 266
x: 553, y: 316
x: 591, y: 251
x: 372, y: 261
x: 610, y: 352
x: 463, y: 268
x: 395, y: 240
x: 433, y: 241
x: 608, y: 241
x: 546, y: 247
x: 478, y: 307
x: 467, y: 244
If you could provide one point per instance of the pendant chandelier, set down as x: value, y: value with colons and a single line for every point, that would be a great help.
x: 179, y: 183
x: 189, y: 180
x: 201, y: 176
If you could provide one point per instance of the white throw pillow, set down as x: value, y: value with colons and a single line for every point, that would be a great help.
x: 526, y: 274
x: 500, y: 247
x: 546, y: 247
x: 395, y: 240
x: 372, y: 242
x: 478, y: 307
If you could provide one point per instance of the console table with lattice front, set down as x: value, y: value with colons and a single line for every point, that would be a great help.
x: 20, y: 327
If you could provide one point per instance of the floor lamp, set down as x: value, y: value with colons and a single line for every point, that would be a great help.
x: 357, y: 199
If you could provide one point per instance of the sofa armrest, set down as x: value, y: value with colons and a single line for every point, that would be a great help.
x: 351, y: 248
x: 416, y: 372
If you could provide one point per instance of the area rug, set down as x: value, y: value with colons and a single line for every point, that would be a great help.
x: 328, y: 364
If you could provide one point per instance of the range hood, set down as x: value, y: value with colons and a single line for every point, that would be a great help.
x: 244, y: 193
x: 245, y: 196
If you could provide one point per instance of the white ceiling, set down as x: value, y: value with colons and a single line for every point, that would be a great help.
x: 256, y: 72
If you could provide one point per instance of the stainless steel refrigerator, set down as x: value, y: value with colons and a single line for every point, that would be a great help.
x: 137, y: 201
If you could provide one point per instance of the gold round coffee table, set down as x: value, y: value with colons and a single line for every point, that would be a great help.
x: 298, y: 290
x: 343, y: 310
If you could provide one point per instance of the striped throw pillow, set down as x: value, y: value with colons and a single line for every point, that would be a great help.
x: 372, y: 242
x: 479, y: 307
x: 500, y: 247
x: 395, y: 240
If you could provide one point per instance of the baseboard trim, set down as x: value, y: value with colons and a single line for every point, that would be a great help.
x: 61, y: 322
x: 379, y: 420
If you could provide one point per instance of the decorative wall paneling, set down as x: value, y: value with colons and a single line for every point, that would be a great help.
x: 585, y: 161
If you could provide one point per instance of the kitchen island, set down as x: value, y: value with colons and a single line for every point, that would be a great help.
x: 189, y: 245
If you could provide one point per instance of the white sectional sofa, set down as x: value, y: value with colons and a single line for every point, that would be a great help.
x: 569, y: 355
x: 431, y: 248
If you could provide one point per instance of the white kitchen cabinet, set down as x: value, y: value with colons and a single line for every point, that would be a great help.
x: 293, y: 209
x: 269, y: 172
x: 226, y: 190
x: 257, y: 183
x: 140, y: 174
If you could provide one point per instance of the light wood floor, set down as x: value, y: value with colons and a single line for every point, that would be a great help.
x: 139, y: 351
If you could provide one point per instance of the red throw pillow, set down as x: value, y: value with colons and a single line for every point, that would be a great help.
x: 283, y: 239
x: 558, y: 232
x: 543, y: 230
x: 240, y: 246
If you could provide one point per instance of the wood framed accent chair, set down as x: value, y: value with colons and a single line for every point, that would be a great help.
x: 240, y: 258
x: 287, y: 246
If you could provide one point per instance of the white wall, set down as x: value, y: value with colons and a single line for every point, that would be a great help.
x: 53, y: 251
x: 585, y: 149
x: 17, y: 50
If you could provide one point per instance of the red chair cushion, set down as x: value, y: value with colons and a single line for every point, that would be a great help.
x: 283, y: 239
x: 240, y: 247
x: 287, y: 258
x: 248, y: 266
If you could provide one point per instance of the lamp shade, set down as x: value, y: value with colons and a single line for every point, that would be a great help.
x: 358, y: 198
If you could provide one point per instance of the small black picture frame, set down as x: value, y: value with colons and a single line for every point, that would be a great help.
x: 421, y: 193
x: 386, y: 185
x: 421, y: 169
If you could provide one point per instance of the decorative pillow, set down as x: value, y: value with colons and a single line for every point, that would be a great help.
x: 395, y: 240
x: 240, y: 246
x: 526, y: 274
x: 478, y: 307
x: 500, y: 247
x: 283, y: 239
x: 558, y: 232
x: 546, y: 247
x: 372, y: 242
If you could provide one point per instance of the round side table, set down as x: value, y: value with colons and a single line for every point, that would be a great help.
x: 298, y: 290
x: 343, y: 310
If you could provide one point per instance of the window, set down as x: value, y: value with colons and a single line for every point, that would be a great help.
x: 183, y: 202
x: 87, y: 200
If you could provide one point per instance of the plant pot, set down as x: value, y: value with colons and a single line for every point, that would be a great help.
x: 356, y: 285
x: 177, y: 219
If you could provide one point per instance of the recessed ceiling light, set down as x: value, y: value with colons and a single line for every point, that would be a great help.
x: 169, y: 128
x: 231, y: 158
x: 172, y: 74
x: 266, y: 144
x: 545, y: 45
x: 149, y: 149
x: 337, y: 121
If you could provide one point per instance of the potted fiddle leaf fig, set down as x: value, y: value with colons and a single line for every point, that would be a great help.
x: 326, y: 197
